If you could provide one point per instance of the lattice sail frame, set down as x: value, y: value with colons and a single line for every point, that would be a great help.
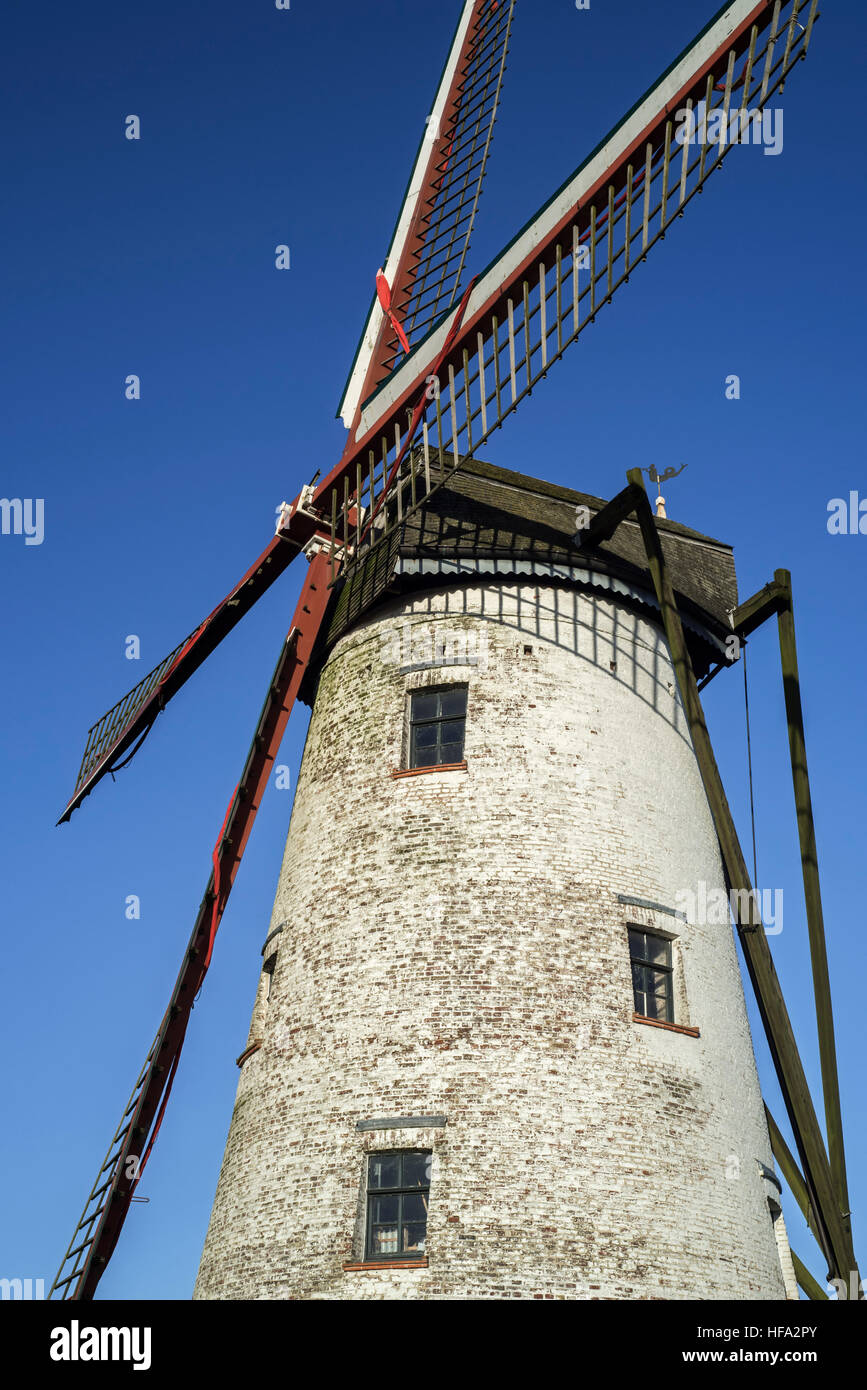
x: 124, y: 726
x: 464, y: 148
x: 108, y: 731
x: 75, y: 1260
x: 432, y: 235
x: 526, y: 310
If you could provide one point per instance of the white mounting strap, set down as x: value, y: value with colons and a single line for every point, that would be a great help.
x: 287, y: 510
x: 318, y: 545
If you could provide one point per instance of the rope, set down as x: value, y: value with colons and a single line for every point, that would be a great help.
x: 117, y: 767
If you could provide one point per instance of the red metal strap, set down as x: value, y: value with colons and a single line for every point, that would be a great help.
x: 383, y: 291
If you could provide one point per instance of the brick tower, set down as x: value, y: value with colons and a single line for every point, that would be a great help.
x: 489, y: 1056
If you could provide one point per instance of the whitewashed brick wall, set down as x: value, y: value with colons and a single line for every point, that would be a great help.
x: 454, y: 946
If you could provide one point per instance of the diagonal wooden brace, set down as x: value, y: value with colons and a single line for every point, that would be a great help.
x: 812, y: 1288
x: 776, y: 598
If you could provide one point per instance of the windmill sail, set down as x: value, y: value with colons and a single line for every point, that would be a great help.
x: 520, y: 315
x: 99, y: 1226
x: 431, y: 239
x: 125, y: 725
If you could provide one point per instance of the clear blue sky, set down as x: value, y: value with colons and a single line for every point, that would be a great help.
x: 156, y: 258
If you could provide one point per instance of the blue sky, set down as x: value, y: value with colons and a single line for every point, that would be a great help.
x: 156, y: 257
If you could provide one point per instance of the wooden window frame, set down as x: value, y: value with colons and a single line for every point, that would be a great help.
x: 666, y: 970
x: 411, y: 724
x: 400, y: 1257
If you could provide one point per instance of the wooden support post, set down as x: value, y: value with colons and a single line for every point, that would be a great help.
x: 606, y: 522
x: 812, y: 1288
x: 777, y: 598
x: 467, y: 401
x: 790, y: 1170
x: 627, y: 256
x: 756, y: 610
x: 832, y: 1231
x: 812, y: 891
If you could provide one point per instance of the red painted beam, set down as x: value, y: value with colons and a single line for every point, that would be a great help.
x: 282, y: 693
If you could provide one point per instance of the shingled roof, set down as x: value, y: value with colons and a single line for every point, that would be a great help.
x: 484, y: 520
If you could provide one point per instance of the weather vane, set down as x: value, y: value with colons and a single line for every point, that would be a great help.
x: 659, y: 479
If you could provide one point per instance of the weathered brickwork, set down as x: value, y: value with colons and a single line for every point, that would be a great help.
x: 454, y: 945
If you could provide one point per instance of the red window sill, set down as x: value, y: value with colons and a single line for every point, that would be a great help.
x: 671, y: 1027
x: 354, y: 1266
x: 417, y: 771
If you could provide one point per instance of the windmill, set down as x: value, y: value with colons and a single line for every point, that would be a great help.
x: 441, y: 364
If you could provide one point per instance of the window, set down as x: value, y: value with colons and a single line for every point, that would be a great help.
x: 651, y: 975
x: 437, y: 723
x: 398, y: 1185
